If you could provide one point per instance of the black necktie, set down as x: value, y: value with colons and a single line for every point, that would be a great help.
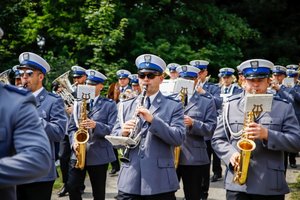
x: 226, y: 91
x: 122, y: 90
x: 148, y: 103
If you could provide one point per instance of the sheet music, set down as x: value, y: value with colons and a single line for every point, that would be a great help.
x: 120, y: 140
x: 86, y: 89
x: 261, y: 100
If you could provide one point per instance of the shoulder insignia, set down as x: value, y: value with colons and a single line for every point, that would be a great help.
x: 107, y: 99
x: 16, y: 89
x: 54, y: 95
x: 172, y: 98
x: 277, y: 98
x: 234, y: 97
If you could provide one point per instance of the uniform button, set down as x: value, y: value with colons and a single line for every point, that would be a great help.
x: 144, y: 135
x: 143, y: 146
x: 142, y: 156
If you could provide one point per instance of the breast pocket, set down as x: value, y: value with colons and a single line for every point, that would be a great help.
x: 272, y: 123
x: 3, y: 134
x: 236, y: 123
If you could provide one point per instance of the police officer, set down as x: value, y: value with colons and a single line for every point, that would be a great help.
x: 204, y: 86
x: 172, y: 70
x: 99, y: 152
x: 123, y: 79
x: 79, y: 77
x: 135, y: 86
x: 278, y: 75
x: 33, y: 69
x: 273, y: 133
x: 150, y: 173
x: 200, y: 119
x: 292, y: 94
x: 24, y: 146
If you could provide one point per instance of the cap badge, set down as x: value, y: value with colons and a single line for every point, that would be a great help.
x: 147, y: 59
x: 197, y: 63
x: 26, y: 56
x: 254, y: 65
x: 184, y: 68
x: 92, y: 73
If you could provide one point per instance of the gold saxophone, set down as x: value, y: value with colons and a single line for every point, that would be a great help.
x: 81, y: 136
x: 183, y: 98
x: 246, y: 146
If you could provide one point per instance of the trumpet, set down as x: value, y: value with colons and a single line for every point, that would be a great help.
x: 134, y: 133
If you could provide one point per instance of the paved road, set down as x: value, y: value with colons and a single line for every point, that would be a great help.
x: 216, y: 191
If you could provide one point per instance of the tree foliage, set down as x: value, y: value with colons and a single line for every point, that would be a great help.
x: 108, y: 35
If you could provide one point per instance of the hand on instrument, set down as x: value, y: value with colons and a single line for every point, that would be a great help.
x: 75, y: 146
x: 235, y: 159
x: 145, y: 113
x: 256, y: 131
x: 188, y: 121
x: 128, y: 127
x: 88, y: 123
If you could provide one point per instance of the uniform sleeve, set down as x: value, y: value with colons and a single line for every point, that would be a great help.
x: 220, y: 143
x: 56, y: 127
x: 288, y: 139
x: 102, y: 128
x: 209, y: 123
x: 32, y: 148
x: 172, y: 133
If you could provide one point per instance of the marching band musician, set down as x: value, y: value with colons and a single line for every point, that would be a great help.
x: 200, y: 119
x: 25, y: 153
x: 33, y: 70
x: 273, y: 133
x: 123, y: 79
x: 172, y: 70
x: 292, y: 94
x: 99, y: 152
x: 150, y: 172
x: 135, y: 86
x: 79, y: 77
x: 278, y: 75
x: 202, y: 87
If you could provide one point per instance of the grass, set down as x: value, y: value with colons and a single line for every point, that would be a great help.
x: 295, y: 189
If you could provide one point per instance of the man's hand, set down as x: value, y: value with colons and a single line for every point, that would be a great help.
x: 145, y: 113
x: 188, y: 121
x: 235, y: 159
x: 128, y: 127
x: 256, y: 131
x: 88, y: 123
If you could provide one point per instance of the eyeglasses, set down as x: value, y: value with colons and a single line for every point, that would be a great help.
x: 29, y: 72
x: 149, y: 75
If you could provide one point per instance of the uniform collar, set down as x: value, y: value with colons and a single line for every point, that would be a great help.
x: 36, y: 93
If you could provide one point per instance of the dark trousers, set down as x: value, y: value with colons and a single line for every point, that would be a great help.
x: 116, y: 164
x: 193, y: 178
x: 64, y: 158
x: 35, y: 191
x: 216, y: 163
x: 97, y: 174
x: 289, y: 158
x: 163, y: 196
x: 232, y: 195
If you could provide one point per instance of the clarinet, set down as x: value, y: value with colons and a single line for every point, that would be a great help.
x: 134, y: 134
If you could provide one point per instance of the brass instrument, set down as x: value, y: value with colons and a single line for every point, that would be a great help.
x: 66, y: 88
x: 4, y: 77
x: 81, y: 135
x: 134, y: 134
x: 246, y: 146
x: 183, y: 97
x: 127, y: 94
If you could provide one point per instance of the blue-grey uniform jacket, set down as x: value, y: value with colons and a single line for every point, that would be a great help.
x: 24, y: 147
x: 151, y: 168
x: 99, y: 151
x: 51, y: 110
x: 201, y: 108
x: 266, y: 168
x: 293, y: 96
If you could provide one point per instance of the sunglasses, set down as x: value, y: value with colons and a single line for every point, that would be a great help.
x: 29, y: 72
x: 149, y: 75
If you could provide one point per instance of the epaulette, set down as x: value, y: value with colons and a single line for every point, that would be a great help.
x: 107, y: 99
x: 207, y: 95
x: 280, y: 99
x: 54, y: 95
x: 18, y: 90
x: 172, y: 98
x: 234, y: 97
